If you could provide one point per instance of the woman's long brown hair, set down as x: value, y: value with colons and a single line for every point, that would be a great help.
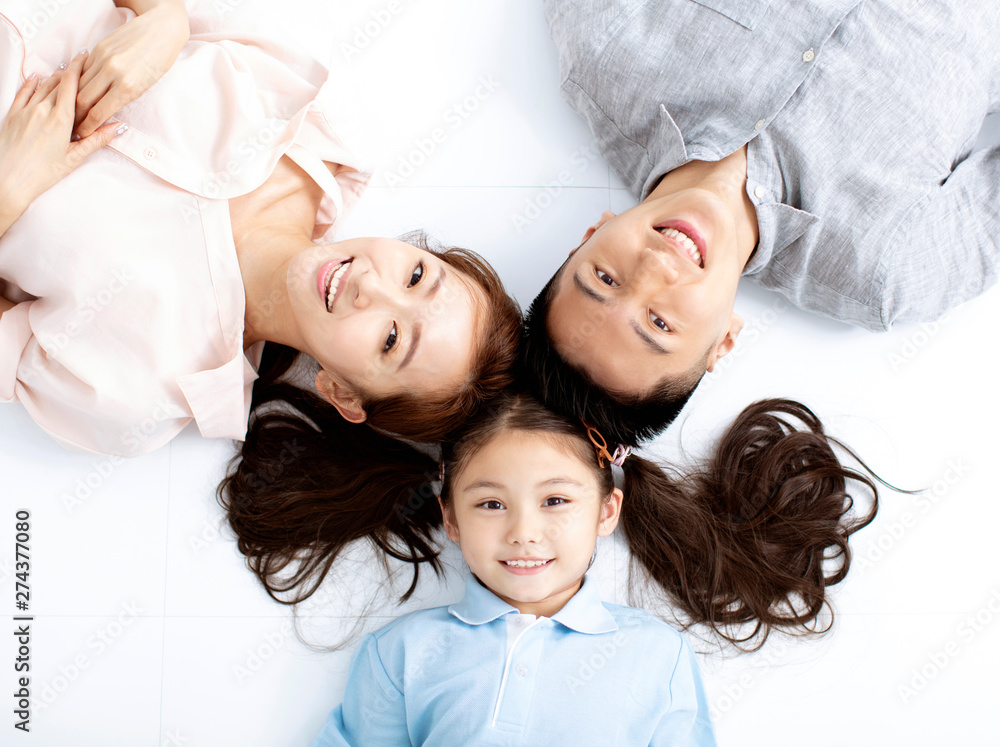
x: 306, y: 482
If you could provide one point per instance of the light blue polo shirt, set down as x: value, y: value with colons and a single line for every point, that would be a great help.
x: 480, y: 673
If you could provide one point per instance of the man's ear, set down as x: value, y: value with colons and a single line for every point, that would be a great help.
x: 605, y: 217
x: 450, y: 527
x: 346, y: 402
x: 726, y: 343
x: 611, y: 510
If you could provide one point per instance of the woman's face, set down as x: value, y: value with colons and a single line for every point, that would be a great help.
x: 383, y: 317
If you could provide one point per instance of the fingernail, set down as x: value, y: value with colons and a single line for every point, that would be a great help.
x: 83, y: 51
x: 121, y: 130
x: 31, y: 77
x: 75, y: 137
x: 62, y: 66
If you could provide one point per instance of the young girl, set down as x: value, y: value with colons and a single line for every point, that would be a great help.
x: 531, y: 655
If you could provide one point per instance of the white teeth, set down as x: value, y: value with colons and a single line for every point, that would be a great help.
x: 685, y: 241
x: 334, y: 282
x: 525, y: 563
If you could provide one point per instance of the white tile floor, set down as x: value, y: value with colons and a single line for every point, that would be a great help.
x: 149, y: 631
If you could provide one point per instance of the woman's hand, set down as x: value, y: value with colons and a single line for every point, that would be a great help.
x: 129, y: 60
x: 35, y: 147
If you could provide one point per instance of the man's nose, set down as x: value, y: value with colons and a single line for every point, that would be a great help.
x: 657, y: 267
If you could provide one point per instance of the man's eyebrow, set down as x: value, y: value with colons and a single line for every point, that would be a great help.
x: 586, y: 290
x: 647, y: 340
x: 418, y: 327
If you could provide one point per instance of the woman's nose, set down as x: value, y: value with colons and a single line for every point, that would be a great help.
x: 373, y: 289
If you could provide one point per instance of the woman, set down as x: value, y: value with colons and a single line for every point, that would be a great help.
x: 211, y: 241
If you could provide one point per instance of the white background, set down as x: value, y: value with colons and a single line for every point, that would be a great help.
x: 149, y: 630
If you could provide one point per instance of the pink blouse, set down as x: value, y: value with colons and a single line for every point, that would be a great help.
x: 130, y: 303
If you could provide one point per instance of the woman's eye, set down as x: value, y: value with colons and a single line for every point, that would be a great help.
x: 555, y: 501
x: 658, y: 322
x: 606, y: 279
x: 417, y: 276
x: 390, y: 341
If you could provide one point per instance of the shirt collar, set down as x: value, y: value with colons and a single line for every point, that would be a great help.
x: 584, y: 613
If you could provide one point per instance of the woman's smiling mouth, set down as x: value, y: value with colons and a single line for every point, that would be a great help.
x: 329, y: 280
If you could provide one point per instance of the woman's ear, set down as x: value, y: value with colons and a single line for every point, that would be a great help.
x: 610, y: 511
x: 450, y: 527
x: 347, y: 403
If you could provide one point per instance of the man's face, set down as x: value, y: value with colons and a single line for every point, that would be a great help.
x: 650, y: 293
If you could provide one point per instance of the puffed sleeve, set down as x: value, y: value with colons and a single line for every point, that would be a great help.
x: 373, y: 711
x: 686, y: 723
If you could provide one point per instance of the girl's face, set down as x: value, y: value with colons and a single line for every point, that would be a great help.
x: 527, y: 511
x: 383, y: 317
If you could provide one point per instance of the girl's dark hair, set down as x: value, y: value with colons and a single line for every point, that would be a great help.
x: 306, y: 482
x: 753, y: 538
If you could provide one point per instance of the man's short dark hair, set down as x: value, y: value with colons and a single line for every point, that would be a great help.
x: 621, y: 417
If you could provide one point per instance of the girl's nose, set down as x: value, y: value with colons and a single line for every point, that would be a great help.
x: 525, y: 528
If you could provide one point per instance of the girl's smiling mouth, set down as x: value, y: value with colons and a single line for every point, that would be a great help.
x: 526, y: 566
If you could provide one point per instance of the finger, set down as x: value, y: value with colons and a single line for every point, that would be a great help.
x: 101, y: 112
x: 66, y: 90
x: 46, y: 87
x: 86, y: 100
x: 79, y: 150
x: 23, y: 95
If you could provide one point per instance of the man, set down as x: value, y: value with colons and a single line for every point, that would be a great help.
x: 820, y: 147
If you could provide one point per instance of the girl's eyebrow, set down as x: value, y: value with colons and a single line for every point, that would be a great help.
x: 483, y: 484
x: 560, y: 481
x: 544, y: 483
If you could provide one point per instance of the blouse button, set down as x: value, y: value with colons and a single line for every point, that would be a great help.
x: 522, y: 671
x: 759, y: 192
x: 808, y: 55
x: 149, y: 153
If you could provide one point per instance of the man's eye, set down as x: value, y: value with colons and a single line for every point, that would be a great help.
x: 606, y: 279
x: 390, y: 340
x: 658, y: 322
x: 417, y: 276
x: 492, y: 505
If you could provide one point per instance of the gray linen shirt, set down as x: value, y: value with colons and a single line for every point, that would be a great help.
x: 859, y: 118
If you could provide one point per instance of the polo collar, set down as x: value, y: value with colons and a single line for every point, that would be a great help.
x: 584, y: 613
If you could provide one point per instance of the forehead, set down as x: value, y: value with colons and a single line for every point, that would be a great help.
x: 518, y: 458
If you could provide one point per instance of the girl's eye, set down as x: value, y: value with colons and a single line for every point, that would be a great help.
x: 491, y: 505
x: 657, y: 322
x: 417, y: 276
x: 606, y: 279
x: 390, y: 341
x: 555, y: 501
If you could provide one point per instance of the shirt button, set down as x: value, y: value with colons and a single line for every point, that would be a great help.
x: 522, y: 671
x: 149, y: 153
x: 808, y: 55
x: 760, y: 123
x: 759, y: 192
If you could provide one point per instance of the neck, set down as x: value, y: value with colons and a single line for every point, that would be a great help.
x: 726, y: 178
x: 264, y: 259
